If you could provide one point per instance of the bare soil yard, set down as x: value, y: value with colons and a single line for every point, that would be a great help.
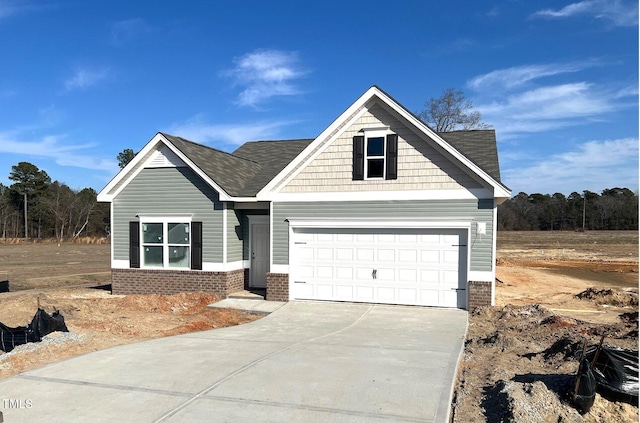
x: 555, y: 290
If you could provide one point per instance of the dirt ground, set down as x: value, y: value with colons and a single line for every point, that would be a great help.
x: 65, y: 277
x: 554, y: 291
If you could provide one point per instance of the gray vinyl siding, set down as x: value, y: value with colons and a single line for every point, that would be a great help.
x: 474, y: 210
x: 234, y: 234
x: 245, y: 229
x: 168, y: 190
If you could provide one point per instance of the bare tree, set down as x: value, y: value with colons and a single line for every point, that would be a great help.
x: 450, y: 112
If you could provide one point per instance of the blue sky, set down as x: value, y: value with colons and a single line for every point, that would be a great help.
x: 81, y: 81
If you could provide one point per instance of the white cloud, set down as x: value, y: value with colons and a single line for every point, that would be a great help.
x: 265, y: 74
x: 52, y: 147
x: 129, y: 29
x: 519, y: 75
x: 196, y: 129
x: 618, y: 12
x: 515, y: 101
x: 85, y: 78
x: 594, y: 165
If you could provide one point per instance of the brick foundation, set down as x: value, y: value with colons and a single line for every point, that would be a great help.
x: 277, y: 287
x: 479, y: 294
x: 143, y: 281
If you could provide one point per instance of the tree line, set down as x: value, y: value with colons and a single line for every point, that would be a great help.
x: 35, y: 207
x: 613, y: 209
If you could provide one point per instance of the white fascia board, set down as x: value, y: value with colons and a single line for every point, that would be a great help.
x: 481, y: 276
x: 303, y: 156
x: 279, y: 268
x: 413, y: 195
x: 127, y: 171
x: 458, y: 223
x: 206, y: 267
x: 499, y: 189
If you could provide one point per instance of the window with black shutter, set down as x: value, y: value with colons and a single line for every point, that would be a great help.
x: 375, y: 156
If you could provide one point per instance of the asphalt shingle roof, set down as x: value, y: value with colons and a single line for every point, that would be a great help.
x: 247, y: 170
x: 479, y: 146
x: 253, y: 165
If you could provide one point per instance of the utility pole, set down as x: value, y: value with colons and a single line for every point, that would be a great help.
x: 584, y: 209
x: 25, y: 215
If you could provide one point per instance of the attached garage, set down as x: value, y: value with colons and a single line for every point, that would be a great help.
x: 412, y: 266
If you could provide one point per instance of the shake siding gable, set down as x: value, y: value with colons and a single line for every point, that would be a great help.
x: 420, y: 165
x: 166, y: 191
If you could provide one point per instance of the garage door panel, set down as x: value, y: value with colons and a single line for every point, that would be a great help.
x: 408, y: 295
x: 364, y: 293
x: 324, y: 254
x: 324, y: 291
x: 344, y: 292
x: 324, y: 272
x: 344, y: 273
x: 386, y: 255
x: 396, y: 266
x: 365, y: 254
x: 408, y: 256
x: 364, y: 238
x: 430, y: 256
x: 408, y: 275
x: 344, y: 254
x: 385, y: 294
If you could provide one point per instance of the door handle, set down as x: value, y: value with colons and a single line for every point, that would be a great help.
x: 374, y: 274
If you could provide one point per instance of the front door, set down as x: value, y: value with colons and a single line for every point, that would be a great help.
x: 259, y: 255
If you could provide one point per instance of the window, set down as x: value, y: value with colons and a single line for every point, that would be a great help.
x: 375, y: 155
x: 374, y: 158
x: 173, y: 242
x: 165, y: 243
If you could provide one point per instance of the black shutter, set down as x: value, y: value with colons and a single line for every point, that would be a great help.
x: 134, y: 245
x: 196, y: 245
x: 358, y: 158
x: 392, y: 156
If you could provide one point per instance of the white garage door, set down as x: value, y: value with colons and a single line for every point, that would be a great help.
x: 392, y: 266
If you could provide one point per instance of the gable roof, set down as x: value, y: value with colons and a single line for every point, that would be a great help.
x: 256, y: 167
x: 482, y: 164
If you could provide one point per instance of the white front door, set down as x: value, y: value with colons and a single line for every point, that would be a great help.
x: 259, y: 254
x: 393, y: 266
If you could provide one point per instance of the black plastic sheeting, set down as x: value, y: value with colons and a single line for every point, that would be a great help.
x: 42, y: 324
x: 586, y: 386
x: 616, y: 372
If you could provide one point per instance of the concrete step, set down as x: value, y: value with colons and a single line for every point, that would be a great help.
x: 246, y: 295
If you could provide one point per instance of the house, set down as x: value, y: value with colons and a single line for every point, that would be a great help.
x: 378, y: 208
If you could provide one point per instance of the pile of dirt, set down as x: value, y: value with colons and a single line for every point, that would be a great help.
x: 519, y: 365
x: 97, y: 320
x: 610, y: 297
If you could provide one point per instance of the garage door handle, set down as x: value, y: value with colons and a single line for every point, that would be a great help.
x: 374, y: 274
x: 459, y: 245
x: 458, y: 289
x: 299, y: 281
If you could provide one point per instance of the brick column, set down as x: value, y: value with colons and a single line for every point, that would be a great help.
x: 479, y: 294
x: 277, y: 287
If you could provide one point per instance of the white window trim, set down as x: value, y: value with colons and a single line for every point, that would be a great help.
x: 165, y: 220
x: 375, y: 133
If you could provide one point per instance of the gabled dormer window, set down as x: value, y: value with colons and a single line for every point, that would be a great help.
x: 375, y: 155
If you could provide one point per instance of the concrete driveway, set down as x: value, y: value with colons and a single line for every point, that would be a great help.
x: 307, y: 361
